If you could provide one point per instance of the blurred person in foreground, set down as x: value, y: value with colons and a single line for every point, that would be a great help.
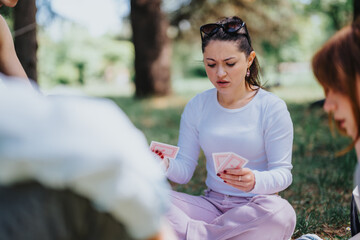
x: 237, y: 116
x: 75, y: 167
x: 336, y: 66
x: 72, y: 167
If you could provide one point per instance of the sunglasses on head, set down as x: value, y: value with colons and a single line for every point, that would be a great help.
x: 230, y: 28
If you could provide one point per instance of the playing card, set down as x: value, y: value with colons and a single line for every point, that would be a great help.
x: 168, y: 150
x: 219, y: 158
x: 233, y: 161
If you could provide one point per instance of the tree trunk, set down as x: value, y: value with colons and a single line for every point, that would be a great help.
x: 152, y: 48
x: 25, y: 36
x: 356, y: 9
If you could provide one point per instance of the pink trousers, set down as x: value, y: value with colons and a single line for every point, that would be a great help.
x: 216, y: 216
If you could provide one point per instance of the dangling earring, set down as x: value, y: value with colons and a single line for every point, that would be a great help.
x: 248, y: 73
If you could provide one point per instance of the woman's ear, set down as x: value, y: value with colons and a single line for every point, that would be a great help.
x: 251, y: 58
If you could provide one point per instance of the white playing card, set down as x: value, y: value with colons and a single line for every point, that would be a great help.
x: 233, y: 161
x: 219, y: 158
x: 168, y: 150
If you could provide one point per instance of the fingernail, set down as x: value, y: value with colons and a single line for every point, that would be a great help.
x: 224, y: 181
x: 162, y: 157
x: 156, y: 151
x: 218, y: 174
x: 225, y: 171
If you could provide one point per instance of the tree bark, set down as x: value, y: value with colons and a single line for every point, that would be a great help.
x: 25, y: 36
x: 152, y: 48
x: 356, y: 9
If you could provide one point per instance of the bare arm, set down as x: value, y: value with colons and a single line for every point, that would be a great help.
x: 9, y: 62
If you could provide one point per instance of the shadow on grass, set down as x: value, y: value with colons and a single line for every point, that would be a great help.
x: 322, y: 184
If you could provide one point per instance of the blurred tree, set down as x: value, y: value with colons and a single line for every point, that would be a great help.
x: 81, y: 68
x: 337, y: 11
x: 270, y: 21
x: 356, y: 9
x: 5, y: 11
x: 152, y: 48
x: 339, y: 15
x: 25, y: 36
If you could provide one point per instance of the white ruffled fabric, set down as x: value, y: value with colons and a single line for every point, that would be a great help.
x: 87, y: 145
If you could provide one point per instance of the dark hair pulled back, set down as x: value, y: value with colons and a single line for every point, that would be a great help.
x: 242, y: 40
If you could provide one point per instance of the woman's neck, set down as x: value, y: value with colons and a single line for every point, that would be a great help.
x: 238, y: 99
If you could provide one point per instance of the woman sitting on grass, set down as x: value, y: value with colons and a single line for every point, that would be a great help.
x: 237, y: 116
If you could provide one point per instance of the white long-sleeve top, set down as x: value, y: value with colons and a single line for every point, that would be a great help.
x: 84, y: 144
x: 261, y: 131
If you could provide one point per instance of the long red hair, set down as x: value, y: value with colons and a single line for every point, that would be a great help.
x: 336, y: 66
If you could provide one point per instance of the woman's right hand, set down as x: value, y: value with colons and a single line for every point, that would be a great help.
x: 164, y: 161
x: 165, y: 233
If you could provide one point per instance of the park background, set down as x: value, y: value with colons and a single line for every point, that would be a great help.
x: 149, y: 61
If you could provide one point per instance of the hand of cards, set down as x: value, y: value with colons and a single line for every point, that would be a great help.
x: 163, y: 149
x: 163, y: 152
x: 222, y: 161
x: 227, y: 160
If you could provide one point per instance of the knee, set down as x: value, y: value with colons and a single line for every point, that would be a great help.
x: 288, y: 213
x: 285, y: 218
x: 279, y: 211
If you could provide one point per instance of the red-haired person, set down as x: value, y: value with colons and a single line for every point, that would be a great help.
x: 336, y: 66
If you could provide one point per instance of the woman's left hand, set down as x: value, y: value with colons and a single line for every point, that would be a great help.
x: 243, y: 178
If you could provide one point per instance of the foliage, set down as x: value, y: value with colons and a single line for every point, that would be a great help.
x: 339, y: 12
x: 263, y: 17
x: 187, y: 60
x: 281, y: 31
x: 77, y: 58
x: 6, y: 12
x: 270, y: 23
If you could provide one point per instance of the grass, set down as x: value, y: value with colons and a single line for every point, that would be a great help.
x: 322, y: 183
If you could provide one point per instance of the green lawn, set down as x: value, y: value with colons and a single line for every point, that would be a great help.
x: 322, y: 184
